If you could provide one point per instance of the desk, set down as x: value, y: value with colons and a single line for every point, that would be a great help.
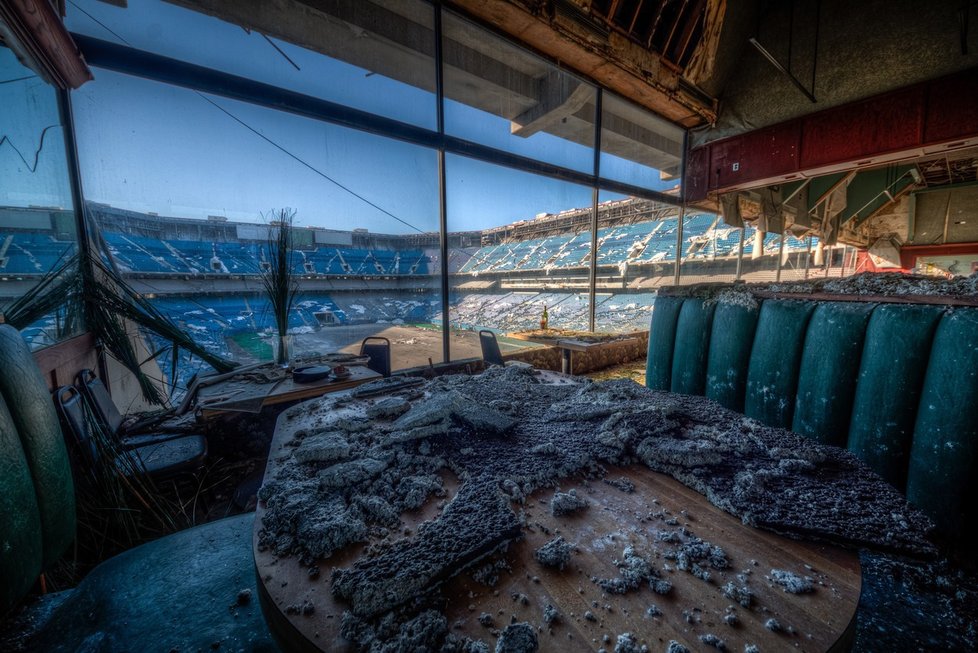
x: 251, y: 397
x: 818, y: 621
x: 569, y: 346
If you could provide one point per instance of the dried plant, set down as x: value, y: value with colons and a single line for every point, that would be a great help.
x: 100, y: 295
x: 278, y: 278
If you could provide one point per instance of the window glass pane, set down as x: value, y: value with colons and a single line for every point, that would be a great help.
x: 520, y: 244
x: 378, y: 53
x: 37, y: 219
x: 184, y: 188
x: 638, y: 147
x: 636, y: 255
x: 502, y: 96
x: 709, y: 248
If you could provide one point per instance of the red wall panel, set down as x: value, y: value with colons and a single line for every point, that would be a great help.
x: 770, y: 151
x: 931, y: 113
x: 724, y: 157
x: 854, y: 131
x: 952, y: 108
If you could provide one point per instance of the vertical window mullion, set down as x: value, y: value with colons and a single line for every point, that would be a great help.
x: 682, y: 211
x: 442, y: 190
x: 74, y: 177
x: 593, y: 277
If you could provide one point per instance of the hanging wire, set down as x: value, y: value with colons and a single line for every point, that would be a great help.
x: 16, y: 79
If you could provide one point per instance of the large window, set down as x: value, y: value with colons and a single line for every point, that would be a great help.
x: 187, y: 190
x: 185, y: 184
x: 37, y: 220
x: 636, y: 255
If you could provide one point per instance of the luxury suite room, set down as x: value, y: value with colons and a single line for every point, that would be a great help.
x: 488, y: 325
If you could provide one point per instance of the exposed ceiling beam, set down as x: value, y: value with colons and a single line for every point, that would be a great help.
x: 560, y: 96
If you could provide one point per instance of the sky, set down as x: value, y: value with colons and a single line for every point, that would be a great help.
x: 148, y: 146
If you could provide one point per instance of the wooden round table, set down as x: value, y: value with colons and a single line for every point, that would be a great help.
x: 821, y: 620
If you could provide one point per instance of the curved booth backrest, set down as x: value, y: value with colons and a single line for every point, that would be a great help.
x: 942, y: 478
x: 693, y: 329
x: 772, y: 376
x: 43, y: 448
x: 829, y: 369
x: 20, y: 521
x: 891, y: 375
x: 662, y: 340
x: 731, y: 341
x: 897, y: 384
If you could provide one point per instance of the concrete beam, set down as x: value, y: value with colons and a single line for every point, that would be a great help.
x: 560, y: 96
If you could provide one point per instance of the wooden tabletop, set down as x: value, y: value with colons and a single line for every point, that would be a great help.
x: 585, y: 345
x: 230, y: 397
x: 818, y: 621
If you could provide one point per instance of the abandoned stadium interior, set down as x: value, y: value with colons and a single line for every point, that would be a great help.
x: 488, y: 325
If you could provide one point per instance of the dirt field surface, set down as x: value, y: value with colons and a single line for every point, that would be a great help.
x: 411, y: 346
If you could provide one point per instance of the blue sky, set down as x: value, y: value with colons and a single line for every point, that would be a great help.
x: 148, y: 146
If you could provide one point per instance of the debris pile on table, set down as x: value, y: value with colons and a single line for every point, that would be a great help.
x: 360, y: 463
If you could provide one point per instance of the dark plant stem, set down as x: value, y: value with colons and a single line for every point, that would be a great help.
x: 279, y: 280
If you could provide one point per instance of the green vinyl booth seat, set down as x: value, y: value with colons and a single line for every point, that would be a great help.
x: 172, y: 593
x: 896, y: 384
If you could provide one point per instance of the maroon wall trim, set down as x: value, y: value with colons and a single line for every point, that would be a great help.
x: 884, y: 127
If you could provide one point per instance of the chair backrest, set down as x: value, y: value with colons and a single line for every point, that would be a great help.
x: 70, y: 405
x: 490, y: 348
x: 99, y: 400
x: 379, y: 351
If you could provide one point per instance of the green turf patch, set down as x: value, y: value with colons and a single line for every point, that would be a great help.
x: 253, y: 345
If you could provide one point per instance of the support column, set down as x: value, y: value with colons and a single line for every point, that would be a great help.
x: 808, y: 256
x: 777, y: 275
x: 740, y: 252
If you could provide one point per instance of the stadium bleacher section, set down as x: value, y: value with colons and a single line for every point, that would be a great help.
x: 704, y: 236
x: 517, y: 311
x: 214, y: 318
x: 228, y: 314
x: 139, y: 254
x: 31, y: 253
x: 650, y: 241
